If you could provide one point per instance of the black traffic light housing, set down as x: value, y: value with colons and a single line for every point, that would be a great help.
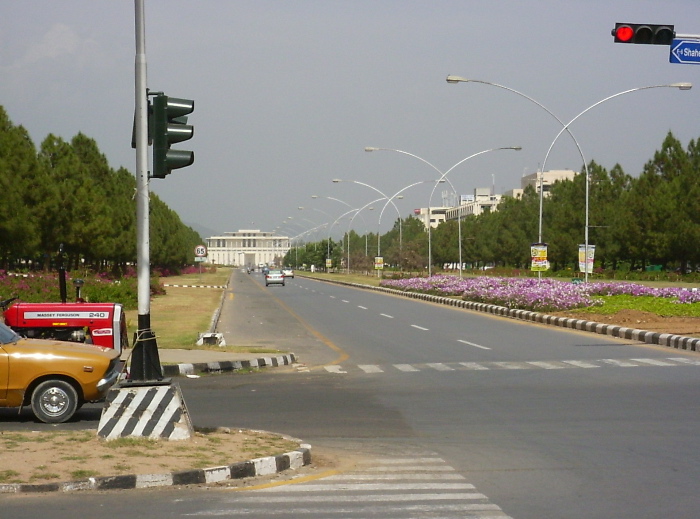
x: 643, y: 33
x: 168, y: 118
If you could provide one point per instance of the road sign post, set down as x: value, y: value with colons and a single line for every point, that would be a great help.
x: 685, y: 51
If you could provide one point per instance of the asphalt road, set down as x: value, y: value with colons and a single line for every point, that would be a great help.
x: 541, y: 422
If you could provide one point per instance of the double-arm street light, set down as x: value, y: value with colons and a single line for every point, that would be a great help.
x: 398, y: 195
x: 347, y: 205
x: 442, y: 177
x: 565, y: 128
x: 385, y: 196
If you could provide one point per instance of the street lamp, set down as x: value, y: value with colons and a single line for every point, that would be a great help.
x: 348, y: 205
x: 679, y: 86
x: 565, y: 127
x: 398, y: 195
x: 442, y: 176
x: 338, y: 180
x: 353, y: 217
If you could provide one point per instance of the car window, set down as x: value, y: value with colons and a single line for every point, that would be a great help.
x: 7, y: 335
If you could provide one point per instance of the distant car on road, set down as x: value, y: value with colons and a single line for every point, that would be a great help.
x: 288, y: 273
x: 55, y: 378
x: 274, y: 277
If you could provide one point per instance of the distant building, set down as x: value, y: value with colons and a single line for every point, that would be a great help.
x: 437, y: 215
x: 548, y: 179
x: 247, y: 248
x: 482, y: 202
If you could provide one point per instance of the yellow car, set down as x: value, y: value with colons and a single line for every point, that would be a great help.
x: 55, y: 378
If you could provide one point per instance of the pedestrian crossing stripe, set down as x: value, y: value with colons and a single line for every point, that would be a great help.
x: 520, y: 365
x: 418, y: 486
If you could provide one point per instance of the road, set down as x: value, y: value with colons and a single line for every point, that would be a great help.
x: 526, y: 421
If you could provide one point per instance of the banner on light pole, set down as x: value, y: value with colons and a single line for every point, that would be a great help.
x: 538, y: 253
x: 585, y: 258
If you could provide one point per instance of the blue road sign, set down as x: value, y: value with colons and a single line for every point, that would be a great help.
x: 685, y: 51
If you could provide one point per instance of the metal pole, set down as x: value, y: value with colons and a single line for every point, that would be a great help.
x: 145, y: 363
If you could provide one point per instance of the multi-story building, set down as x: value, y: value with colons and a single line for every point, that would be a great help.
x: 247, y: 248
x: 483, y: 201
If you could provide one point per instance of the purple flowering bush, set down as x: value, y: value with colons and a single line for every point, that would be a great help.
x: 534, y: 294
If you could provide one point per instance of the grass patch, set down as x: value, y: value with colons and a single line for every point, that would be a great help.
x: 183, y: 313
x: 6, y: 476
x: 83, y: 474
x: 656, y: 305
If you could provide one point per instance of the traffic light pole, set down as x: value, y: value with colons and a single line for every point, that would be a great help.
x: 145, y: 362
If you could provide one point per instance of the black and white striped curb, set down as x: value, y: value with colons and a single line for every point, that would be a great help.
x: 669, y: 340
x: 245, y: 469
x: 174, y: 370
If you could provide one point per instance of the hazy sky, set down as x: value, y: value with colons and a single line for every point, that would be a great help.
x: 288, y: 93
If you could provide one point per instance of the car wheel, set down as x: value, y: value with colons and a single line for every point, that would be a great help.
x: 54, y: 401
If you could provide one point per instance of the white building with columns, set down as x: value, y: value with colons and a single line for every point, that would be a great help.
x: 247, y: 248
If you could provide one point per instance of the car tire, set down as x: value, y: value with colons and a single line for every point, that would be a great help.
x: 54, y: 401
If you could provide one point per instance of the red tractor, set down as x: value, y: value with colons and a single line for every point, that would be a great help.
x: 101, y: 324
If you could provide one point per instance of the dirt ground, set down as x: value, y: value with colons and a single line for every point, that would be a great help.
x: 61, y: 456
x: 687, y: 326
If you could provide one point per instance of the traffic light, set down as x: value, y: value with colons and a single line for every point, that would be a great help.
x: 645, y: 34
x: 169, y: 126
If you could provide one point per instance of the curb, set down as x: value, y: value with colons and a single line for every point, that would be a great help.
x: 669, y: 340
x: 174, y: 370
x: 245, y: 469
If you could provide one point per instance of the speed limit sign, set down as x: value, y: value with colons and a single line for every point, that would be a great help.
x: 200, y: 251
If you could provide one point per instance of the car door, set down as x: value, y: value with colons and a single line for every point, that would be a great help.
x: 4, y: 372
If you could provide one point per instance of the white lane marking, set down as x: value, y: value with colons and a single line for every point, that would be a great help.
x: 335, y: 369
x: 370, y: 368
x: 332, y: 297
x: 392, y: 477
x: 321, y: 487
x: 472, y: 365
x: 580, y: 364
x: 362, y: 307
x: 694, y: 362
x: 654, y: 362
x: 512, y: 365
x: 405, y: 367
x: 371, y: 498
x: 473, y: 344
x: 345, y: 301
x: 620, y: 363
x: 546, y: 365
x: 387, y: 316
x: 401, y: 461
x: 439, y: 366
x: 419, y: 327
x: 411, y: 468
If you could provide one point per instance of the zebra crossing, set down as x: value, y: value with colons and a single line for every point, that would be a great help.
x: 391, y: 488
x: 494, y: 365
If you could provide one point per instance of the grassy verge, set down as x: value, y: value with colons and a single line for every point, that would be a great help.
x: 179, y: 316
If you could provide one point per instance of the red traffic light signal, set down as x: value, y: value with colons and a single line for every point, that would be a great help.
x: 644, y: 34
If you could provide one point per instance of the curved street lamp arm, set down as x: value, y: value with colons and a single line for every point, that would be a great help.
x: 681, y: 86
x: 336, y: 180
x: 397, y: 194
